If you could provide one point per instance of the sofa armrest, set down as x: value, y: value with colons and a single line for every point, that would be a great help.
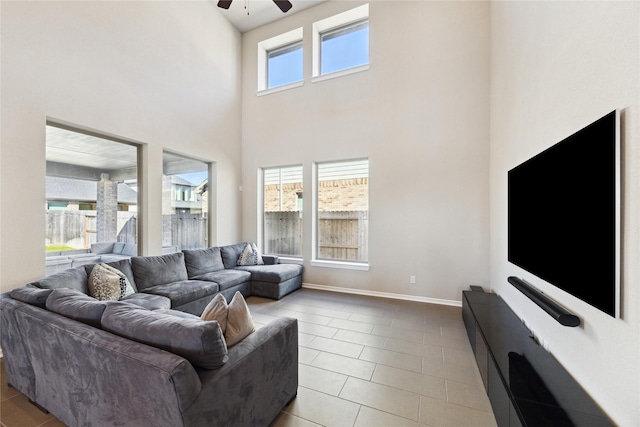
x: 270, y: 259
x: 261, y: 377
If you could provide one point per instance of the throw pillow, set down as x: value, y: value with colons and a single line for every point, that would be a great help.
x: 125, y: 287
x: 239, y: 320
x: 104, y: 285
x: 250, y: 255
x: 216, y: 310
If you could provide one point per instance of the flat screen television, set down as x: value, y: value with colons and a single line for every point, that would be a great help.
x: 564, y: 214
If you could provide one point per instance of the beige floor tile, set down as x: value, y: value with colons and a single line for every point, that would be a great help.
x: 458, y: 373
x: 400, y: 334
x: 360, y: 338
x: 321, y: 380
x: 344, y: 365
x: 458, y: 343
x: 317, y: 330
x: 425, y: 385
x: 431, y: 328
x: 317, y: 310
x: 337, y: 347
x: 373, y: 320
x: 369, y: 417
x: 409, y: 362
x: 323, y: 409
x: 387, y: 399
x: 459, y: 357
x: 350, y: 325
x: 304, y: 339
x: 468, y: 395
x: 288, y: 420
x: 438, y: 413
x: 307, y: 355
x: 423, y: 350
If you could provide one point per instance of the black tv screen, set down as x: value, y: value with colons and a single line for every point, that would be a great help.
x: 563, y: 214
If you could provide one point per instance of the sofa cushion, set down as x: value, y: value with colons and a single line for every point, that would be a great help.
x: 200, y: 342
x: 250, y: 255
x: 158, y: 270
x: 178, y: 313
x: 231, y: 253
x: 216, y: 310
x: 149, y: 301
x: 75, y: 278
x: 239, y: 321
x: 31, y: 295
x: 184, y: 291
x: 201, y: 261
x: 273, y: 273
x: 76, y: 305
x: 226, y: 278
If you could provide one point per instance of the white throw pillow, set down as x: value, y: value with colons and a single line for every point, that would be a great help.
x: 216, y: 310
x: 125, y: 285
x: 250, y: 255
x: 239, y: 321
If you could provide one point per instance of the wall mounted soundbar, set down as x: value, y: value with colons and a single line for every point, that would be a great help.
x: 561, y: 314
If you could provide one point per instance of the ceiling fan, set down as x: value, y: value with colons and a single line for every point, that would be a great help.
x: 284, y: 5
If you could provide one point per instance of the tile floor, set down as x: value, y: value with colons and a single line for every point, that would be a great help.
x: 363, y: 362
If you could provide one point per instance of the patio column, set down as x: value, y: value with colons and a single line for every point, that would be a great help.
x: 107, y: 209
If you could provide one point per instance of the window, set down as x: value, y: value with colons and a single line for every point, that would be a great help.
x: 341, y: 43
x: 91, y: 191
x: 342, y: 211
x: 282, y: 211
x: 280, y: 62
x: 284, y: 65
x: 184, y: 202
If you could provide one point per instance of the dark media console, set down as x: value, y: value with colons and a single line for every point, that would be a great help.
x: 526, y: 385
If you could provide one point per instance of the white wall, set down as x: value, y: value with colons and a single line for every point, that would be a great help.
x: 420, y: 114
x: 556, y: 67
x: 165, y: 74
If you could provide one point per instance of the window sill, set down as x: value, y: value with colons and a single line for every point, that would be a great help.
x: 280, y: 88
x: 340, y: 73
x: 345, y: 265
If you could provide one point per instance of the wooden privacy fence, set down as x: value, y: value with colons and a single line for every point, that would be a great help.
x: 342, y: 235
x: 78, y: 229
x: 184, y: 230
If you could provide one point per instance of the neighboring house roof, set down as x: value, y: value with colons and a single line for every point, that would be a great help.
x: 84, y: 191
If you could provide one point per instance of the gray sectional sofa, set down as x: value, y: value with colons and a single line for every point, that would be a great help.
x: 148, y: 359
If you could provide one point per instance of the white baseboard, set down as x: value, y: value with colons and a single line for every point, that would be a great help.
x: 378, y: 294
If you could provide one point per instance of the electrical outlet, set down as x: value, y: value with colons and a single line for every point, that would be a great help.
x: 412, y: 280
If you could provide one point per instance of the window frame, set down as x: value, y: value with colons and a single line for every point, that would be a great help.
x: 282, y: 41
x: 261, y: 202
x: 333, y: 263
x: 333, y: 24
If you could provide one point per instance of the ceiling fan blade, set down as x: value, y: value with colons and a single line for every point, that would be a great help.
x: 224, y: 4
x: 284, y: 5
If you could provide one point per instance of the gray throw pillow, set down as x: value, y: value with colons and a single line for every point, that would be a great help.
x: 201, y: 343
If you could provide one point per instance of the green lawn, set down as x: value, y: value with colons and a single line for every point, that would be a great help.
x: 58, y: 248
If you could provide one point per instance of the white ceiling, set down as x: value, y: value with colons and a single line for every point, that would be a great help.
x: 260, y: 12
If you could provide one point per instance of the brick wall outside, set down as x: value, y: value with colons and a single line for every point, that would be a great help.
x: 338, y: 195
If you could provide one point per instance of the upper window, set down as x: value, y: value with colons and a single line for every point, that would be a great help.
x: 280, y: 61
x: 284, y: 65
x: 341, y: 42
x: 342, y: 211
x: 282, y: 210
